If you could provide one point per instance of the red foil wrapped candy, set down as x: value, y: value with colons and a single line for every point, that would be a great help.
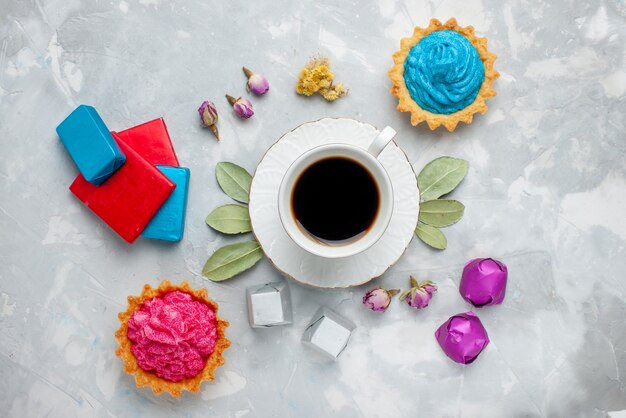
x: 462, y: 337
x: 151, y: 141
x: 483, y: 282
x: 130, y: 198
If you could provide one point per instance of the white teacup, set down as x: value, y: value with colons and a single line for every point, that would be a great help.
x: 366, y: 158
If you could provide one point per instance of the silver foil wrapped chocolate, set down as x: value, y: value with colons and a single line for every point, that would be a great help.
x: 269, y: 305
x: 328, y: 332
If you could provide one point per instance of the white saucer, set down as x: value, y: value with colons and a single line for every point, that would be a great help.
x: 307, y: 268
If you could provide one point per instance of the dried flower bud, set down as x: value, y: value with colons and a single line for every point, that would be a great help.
x: 257, y: 84
x: 242, y: 107
x: 419, y: 298
x: 419, y: 294
x: 208, y: 117
x: 462, y: 337
x: 378, y: 299
x: 483, y: 282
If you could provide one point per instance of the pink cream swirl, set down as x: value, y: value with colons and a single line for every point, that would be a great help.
x: 173, y: 335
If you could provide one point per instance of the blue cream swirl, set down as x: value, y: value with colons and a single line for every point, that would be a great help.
x: 443, y: 72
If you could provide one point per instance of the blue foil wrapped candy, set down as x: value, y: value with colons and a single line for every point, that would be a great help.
x: 169, y: 222
x: 90, y: 144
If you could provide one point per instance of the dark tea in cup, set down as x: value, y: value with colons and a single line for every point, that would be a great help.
x: 335, y: 200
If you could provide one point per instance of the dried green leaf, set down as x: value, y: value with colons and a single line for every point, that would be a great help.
x: 431, y: 236
x: 230, y: 219
x: 440, y: 177
x: 441, y: 212
x: 234, y: 180
x: 231, y: 260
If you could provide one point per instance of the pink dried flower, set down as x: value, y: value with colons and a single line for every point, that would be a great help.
x: 420, y: 294
x: 208, y: 117
x: 257, y: 84
x: 242, y: 107
x: 378, y: 299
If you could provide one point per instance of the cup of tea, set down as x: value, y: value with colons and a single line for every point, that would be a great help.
x: 336, y: 200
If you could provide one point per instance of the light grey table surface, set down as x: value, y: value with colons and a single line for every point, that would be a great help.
x: 546, y: 193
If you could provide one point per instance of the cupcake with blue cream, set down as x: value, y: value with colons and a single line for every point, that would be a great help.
x: 443, y: 74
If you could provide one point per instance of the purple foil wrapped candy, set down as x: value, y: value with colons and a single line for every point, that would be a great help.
x: 462, y: 337
x: 483, y: 282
